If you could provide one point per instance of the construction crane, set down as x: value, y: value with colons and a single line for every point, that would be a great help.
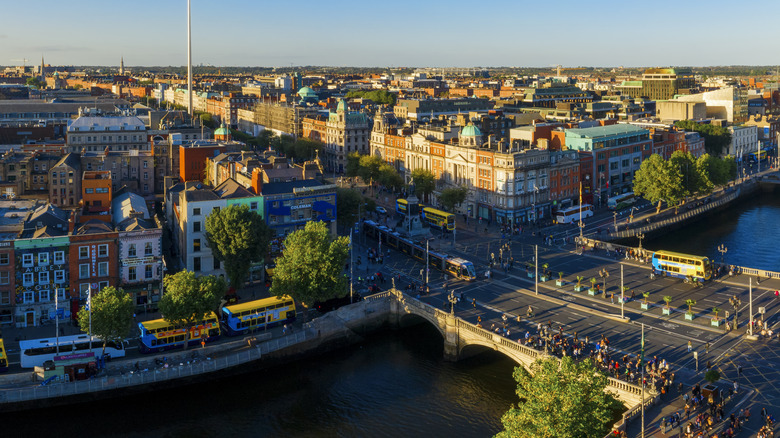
x: 24, y: 61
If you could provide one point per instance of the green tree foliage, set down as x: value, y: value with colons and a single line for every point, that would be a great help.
x: 657, y: 180
x: 560, y: 399
x: 716, y: 138
x: 452, y: 196
x: 370, y: 166
x: 382, y: 97
x: 347, y: 206
x: 237, y: 237
x: 207, y: 119
x: 424, y: 182
x: 265, y: 138
x: 36, y: 82
x: 311, y: 265
x: 353, y: 165
x: 112, y: 315
x: 389, y: 177
x: 189, y: 299
x: 693, y: 182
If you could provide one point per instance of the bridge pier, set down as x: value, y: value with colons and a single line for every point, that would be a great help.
x: 451, y: 340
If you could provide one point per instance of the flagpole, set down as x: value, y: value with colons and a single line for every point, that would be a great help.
x: 56, y: 321
x: 642, y: 364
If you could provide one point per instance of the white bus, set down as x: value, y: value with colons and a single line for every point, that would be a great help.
x: 35, y: 352
x: 621, y: 201
x: 572, y: 214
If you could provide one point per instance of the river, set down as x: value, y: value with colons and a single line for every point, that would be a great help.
x: 748, y: 229
x: 393, y: 384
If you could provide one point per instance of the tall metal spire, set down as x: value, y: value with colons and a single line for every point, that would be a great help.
x: 122, y: 65
x: 43, y: 74
x: 189, y: 60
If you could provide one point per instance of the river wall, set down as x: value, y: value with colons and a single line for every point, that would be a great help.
x: 334, y: 330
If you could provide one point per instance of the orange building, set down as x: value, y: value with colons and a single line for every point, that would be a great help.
x: 192, y: 160
x: 96, y: 196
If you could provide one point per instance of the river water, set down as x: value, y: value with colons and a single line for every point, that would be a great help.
x: 394, y: 384
x: 749, y: 230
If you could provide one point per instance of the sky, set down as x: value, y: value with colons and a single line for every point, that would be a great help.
x: 400, y: 33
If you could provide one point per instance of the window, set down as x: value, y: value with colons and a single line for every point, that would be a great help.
x: 146, y: 175
x: 196, y: 264
x: 27, y: 260
x: 59, y: 276
x: 29, y: 297
x: 103, y: 250
x: 148, y: 249
x: 196, y: 227
x: 131, y: 273
x: 27, y: 279
x: 89, y: 191
x: 4, y: 258
x: 196, y: 211
x: 61, y: 293
x: 83, y: 252
x: 148, y: 272
x: 253, y: 205
x: 43, y: 277
x: 196, y: 245
x: 44, y: 296
x: 102, y: 285
x: 5, y: 277
x: 83, y: 289
x: 103, y: 269
x: 131, y: 250
x: 84, y: 270
x: 146, y: 164
x: 59, y: 257
x: 216, y: 263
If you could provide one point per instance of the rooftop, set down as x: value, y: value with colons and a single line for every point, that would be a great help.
x: 605, y: 131
x: 287, y: 187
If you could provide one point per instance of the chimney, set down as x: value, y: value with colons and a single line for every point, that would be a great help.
x: 71, y: 222
x: 257, y: 181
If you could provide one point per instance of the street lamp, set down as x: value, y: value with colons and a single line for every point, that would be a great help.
x: 722, y: 250
x: 736, y: 302
x: 604, y: 274
x: 452, y: 299
x: 640, y: 236
x: 536, y: 267
x: 614, y: 218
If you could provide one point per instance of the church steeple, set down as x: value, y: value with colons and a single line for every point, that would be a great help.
x: 43, y: 72
x: 122, y: 65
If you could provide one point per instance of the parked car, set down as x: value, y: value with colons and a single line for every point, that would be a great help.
x: 381, y: 210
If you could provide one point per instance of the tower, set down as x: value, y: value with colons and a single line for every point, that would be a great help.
x: 43, y: 71
x: 121, y: 65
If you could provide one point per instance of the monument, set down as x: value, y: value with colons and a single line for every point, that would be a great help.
x: 411, y: 225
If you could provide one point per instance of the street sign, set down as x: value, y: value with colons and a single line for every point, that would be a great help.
x: 762, y: 310
x: 696, y: 355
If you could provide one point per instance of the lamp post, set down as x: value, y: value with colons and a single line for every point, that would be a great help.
x: 452, y: 299
x: 604, y: 274
x: 536, y: 267
x: 581, y: 225
x: 736, y: 303
x: 750, y: 301
x: 622, y: 292
x: 614, y: 220
x: 426, y: 262
x: 722, y: 250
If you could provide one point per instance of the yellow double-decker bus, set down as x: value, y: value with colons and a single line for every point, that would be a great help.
x: 239, y: 319
x: 685, y: 266
x: 159, y: 334
x: 439, y: 219
x: 3, y: 356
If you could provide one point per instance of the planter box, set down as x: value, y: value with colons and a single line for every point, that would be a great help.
x: 579, y: 288
x: 689, y: 316
x: 543, y: 278
x: 592, y: 292
x: 559, y: 282
x: 667, y: 311
x: 715, y: 322
x: 530, y: 274
x: 644, y: 306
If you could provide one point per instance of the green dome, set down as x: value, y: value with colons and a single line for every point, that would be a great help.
x: 470, y: 131
x: 307, y: 92
x: 221, y: 131
x: 342, y: 106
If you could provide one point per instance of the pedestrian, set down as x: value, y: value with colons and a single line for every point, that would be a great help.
x: 690, y: 346
x: 474, y: 302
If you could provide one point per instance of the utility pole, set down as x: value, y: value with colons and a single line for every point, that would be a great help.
x: 750, y: 297
x: 351, y: 263
x: 622, y: 292
x: 536, y: 267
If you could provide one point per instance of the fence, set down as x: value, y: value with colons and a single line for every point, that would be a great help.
x: 179, y: 369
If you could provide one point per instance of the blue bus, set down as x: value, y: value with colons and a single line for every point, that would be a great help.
x: 239, y: 319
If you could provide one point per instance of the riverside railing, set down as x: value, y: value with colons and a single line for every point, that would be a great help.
x: 177, y: 368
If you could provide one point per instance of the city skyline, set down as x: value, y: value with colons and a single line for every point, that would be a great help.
x: 439, y: 34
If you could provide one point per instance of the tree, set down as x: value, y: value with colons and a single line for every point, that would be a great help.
x: 311, y: 266
x: 390, y: 178
x: 237, y: 237
x: 693, y: 182
x: 560, y: 399
x: 369, y: 168
x: 189, y: 299
x: 424, y: 182
x: 712, y: 376
x: 112, y: 315
x: 36, y: 82
x: 353, y: 165
x: 657, y: 180
x: 667, y: 300
x: 690, y: 303
x: 716, y: 138
x: 347, y: 206
x: 452, y: 196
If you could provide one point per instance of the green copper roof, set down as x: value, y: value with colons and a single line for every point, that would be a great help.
x: 221, y: 131
x: 470, y: 131
x: 307, y: 92
x: 342, y: 106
